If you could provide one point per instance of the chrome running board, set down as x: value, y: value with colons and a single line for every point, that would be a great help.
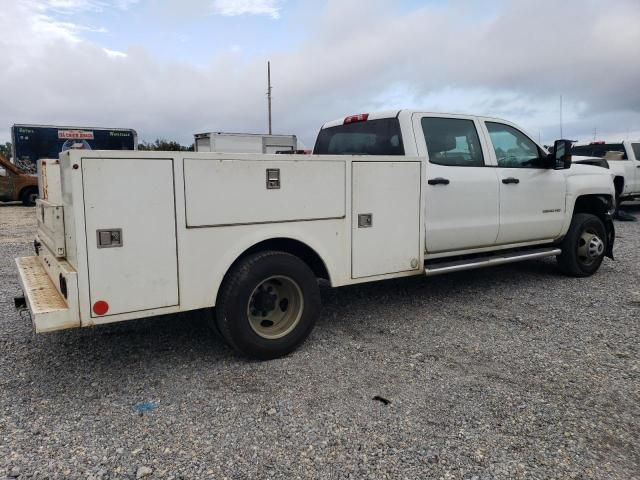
x: 437, y: 268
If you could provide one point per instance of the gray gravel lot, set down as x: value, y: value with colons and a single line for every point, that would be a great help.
x: 511, y: 372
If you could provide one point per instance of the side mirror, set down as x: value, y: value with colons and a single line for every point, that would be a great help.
x: 562, y: 154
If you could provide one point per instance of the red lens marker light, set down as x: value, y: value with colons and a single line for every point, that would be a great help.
x: 100, y: 307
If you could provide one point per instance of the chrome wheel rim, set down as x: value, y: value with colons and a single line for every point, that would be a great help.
x: 275, y: 307
x: 590, y: 247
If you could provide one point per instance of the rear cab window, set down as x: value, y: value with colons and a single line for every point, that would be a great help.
x: 370, y: 137
x: 636, y: 150
x: 608, y: 151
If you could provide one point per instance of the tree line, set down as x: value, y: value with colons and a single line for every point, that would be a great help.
x: 160, y: 144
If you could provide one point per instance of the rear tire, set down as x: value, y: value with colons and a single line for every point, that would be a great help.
x: 268, y: 305
x: 584, y: 247
x: 28, y: 196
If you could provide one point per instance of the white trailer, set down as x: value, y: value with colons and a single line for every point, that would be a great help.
x: 244, y: 143
x: 251, y: 234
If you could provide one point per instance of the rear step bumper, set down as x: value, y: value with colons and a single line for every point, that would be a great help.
x: 479, y: 262
x: 49, y: 310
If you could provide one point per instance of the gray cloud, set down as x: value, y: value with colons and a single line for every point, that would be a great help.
x: 510, y: 59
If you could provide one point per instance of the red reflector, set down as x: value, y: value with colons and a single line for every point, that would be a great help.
x: 100, y: 307
x: 597, y: 143
x: 356, y: 118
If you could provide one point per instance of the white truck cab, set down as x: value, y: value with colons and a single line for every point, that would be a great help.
x: 623, y: 159
x: 387, y: 195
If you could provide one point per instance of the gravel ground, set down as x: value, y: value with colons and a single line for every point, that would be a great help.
x: 510, y: 372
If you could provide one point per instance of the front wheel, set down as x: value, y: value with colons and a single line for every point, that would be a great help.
x: 584, y: 247
x: 268, y: 304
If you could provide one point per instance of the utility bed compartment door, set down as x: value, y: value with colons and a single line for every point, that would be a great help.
x: 386, y: 218
x: 132, y: 199
x: 237, y: 192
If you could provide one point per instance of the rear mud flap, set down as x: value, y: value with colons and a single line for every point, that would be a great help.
x: 611, y: 237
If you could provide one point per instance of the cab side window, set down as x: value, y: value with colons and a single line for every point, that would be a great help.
x: 513, y: 148
x: 453, y: 142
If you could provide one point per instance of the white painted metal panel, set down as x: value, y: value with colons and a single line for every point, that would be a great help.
x: 232, y: 192
x: 236, y: 143
x: 203, y: 144
x: 137, y: 196
x: 51, y: 226
x: 390, y: 193
x: 49, y: 184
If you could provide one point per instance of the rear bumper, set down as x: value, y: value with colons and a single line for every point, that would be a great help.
x: 49, y: 309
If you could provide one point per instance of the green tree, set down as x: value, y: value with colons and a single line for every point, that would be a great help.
x: 5, y: 150
x: 161, y: 144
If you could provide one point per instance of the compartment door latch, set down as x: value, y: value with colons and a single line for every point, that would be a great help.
x: 365, y: 220
x: 273, y: 178
x: 109, y: 238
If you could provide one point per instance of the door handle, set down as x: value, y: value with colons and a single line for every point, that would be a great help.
x: 438, y: 181
x: 509, y: 180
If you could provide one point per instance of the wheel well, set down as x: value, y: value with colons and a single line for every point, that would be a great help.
x: 294, y: 247
x: 26, y: 189
x: 599, y: 205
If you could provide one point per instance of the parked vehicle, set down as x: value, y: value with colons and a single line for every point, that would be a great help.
x: 244, y: 143
x: 16, y: 185
x: 31, y: 143
x: 623, y: 159
x: 387, y: 195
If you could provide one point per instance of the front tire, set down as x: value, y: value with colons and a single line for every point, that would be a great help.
x: 584, y: 247
x: 268, y: 305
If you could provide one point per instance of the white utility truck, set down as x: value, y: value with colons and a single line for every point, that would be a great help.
x: 389, y: 195
x: 244, y: 143
x: 623, y: 159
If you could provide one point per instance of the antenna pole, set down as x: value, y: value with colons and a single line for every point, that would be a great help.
x: 269, y: 92
x: 561, y: 134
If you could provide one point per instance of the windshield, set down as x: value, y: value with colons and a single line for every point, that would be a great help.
x: 608, y: 151
x: 373, y: 137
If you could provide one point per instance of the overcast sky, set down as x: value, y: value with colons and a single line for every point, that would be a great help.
x: 175, y: 67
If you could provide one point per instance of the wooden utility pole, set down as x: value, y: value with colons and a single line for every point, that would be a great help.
x: 269, y: 93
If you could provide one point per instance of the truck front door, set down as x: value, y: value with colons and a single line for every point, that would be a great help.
x: 462, y: 193
x: 532, y: 197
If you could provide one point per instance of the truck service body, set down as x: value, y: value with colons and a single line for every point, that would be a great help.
x: 249, y: 234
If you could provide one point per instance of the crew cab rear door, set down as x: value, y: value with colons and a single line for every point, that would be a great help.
x: 462, y: 193
x: 532, y: 197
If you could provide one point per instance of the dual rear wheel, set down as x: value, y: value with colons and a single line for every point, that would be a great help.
x: 268, y: 304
